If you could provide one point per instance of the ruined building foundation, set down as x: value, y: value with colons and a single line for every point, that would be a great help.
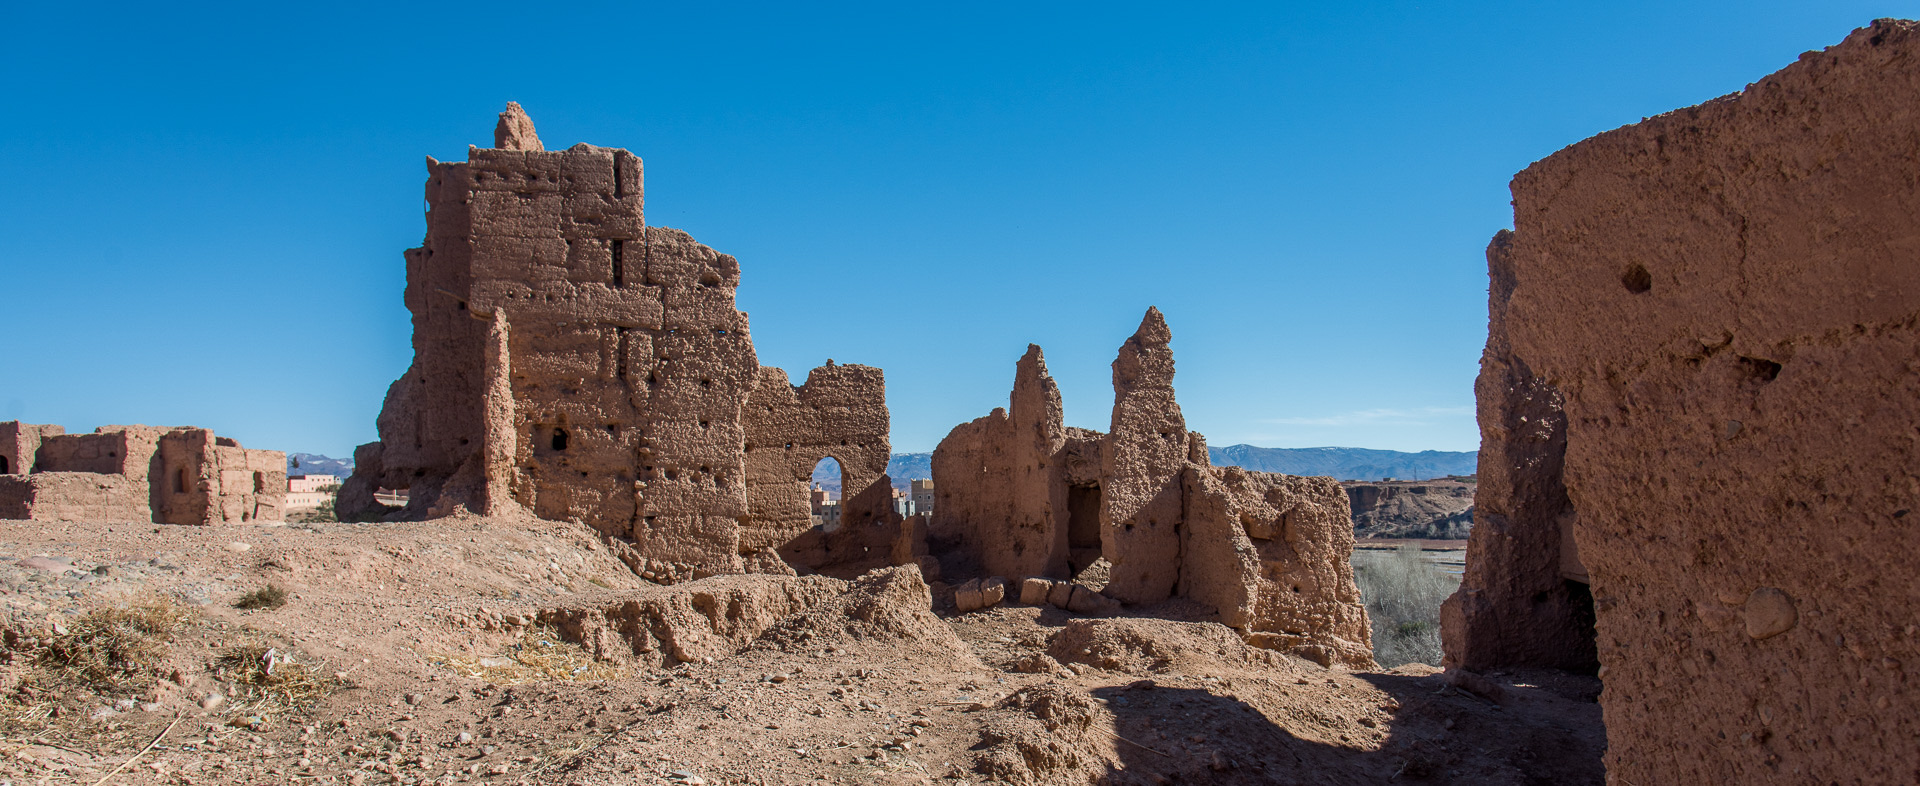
x: 1020, y: 496
x: 571, y: 361
x: 1705, y: 367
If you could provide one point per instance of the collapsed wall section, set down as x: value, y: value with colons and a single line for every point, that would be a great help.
x: 1000, y: 478
x: 1023, y: 498
x: 1726, y: 299
x: 840, y: 413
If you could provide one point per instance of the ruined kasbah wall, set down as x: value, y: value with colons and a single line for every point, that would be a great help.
x: 572, y: 362
x: 179, y: 475
x: 1728, y: 300
x: 1524, y: 600
x: 1023, y: 497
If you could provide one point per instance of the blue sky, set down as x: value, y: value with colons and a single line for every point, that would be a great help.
x: 207, y: 205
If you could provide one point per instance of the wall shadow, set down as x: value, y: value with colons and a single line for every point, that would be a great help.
x: 1420, y: 732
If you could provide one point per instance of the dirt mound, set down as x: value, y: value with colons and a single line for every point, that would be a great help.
x: 1139, y: 646
x: 1043, y: 734
x: 886, y: 604
x: 684, y: 623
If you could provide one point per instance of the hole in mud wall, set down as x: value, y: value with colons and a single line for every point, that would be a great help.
x: 5, y: 467
x: 259, y: 482
x: 180, y: 480
x: 1636, y: 279
x: 1760, y: 370
x: 559, y: 441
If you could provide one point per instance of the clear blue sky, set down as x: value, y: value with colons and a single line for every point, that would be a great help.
x: 206, y: 207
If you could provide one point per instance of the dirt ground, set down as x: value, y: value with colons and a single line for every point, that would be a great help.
x: 519, y: 651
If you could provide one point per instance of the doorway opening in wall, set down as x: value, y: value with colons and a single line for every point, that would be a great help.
x: 4, y: 469
x: 1580, y: 610
x: 1083, y: 526
x: 824, y: 489
x: 180, y: 480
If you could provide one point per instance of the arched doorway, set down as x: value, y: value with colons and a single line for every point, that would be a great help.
x: 825, y: 489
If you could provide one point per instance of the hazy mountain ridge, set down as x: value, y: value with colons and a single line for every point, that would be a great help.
x: 316, y: 464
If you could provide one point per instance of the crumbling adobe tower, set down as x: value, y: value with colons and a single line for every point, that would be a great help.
x: 574, y: 362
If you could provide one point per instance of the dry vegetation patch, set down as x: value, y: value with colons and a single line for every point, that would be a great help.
x: 1403, y: 592
x: 539, y: 654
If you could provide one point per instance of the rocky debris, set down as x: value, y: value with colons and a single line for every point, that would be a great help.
x: 687, y: 623
x: 1040, y: 735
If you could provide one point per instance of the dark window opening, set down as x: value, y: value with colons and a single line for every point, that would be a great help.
x: 619, y: 264
x: 180, y: 480
x: 559, y: 439
x: 259, y: 482
x: 4, y: 467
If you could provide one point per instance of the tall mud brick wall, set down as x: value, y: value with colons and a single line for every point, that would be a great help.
x: 573, y: 362
x: 1727, y: 299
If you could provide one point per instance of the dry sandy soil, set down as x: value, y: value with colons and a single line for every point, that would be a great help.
x: 495, y: 651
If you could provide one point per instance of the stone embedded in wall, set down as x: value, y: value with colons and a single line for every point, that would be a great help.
x: 572, y: 362
x: 1725, y: 298
x: 1516, y: 605
x: 1144, y: 455
x: 142, y: 473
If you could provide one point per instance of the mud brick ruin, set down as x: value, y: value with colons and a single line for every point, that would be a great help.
x: 571, y: 361
x: 1020, y: 495
x: 1705, y: 368
x: 137, y: 473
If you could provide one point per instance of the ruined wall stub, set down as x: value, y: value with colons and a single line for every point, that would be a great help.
x: 20, y: 442
x: 142, y: 473
x: 840, y: 413
x: 573, y: 362
x: 1145, y: 453
x: 1518, y: 604
x: 1726, y: 297
x: 1273, y: 553
x: 1001, y: 482
x: 1269, y: 552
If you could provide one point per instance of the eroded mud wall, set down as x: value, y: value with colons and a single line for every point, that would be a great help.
x: 1519, y: 604
x: 1145, y: 453
x: 1727, y: 299
x: 572, y: 362
x: 1001, y: 481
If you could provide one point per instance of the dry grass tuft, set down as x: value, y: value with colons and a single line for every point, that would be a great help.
x: 271, y: 596
x: 115, y: 648
x: 540, y: 655
x: 264, y: 678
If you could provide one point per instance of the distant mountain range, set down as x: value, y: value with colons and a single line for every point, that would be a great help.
x: 1348, y: 463
x: 1340, y: 463
x: 316, y: 464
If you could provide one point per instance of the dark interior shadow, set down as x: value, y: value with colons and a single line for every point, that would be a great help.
x: 1421, y: 732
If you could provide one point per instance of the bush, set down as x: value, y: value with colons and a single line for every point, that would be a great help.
x: 267, y: 597
x: 1403, y: 593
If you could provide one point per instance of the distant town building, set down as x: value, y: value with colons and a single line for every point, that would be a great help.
x: 825, y: 509
x: 311, y: 491
x: 922, y: 493
x: 902, y: 504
